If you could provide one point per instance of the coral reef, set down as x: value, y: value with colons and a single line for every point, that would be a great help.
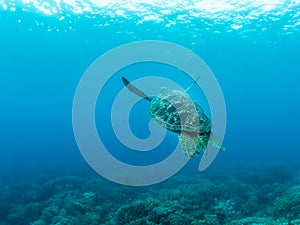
x: 191, y: 199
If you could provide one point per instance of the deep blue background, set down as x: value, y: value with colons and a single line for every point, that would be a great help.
x: 39, y: 71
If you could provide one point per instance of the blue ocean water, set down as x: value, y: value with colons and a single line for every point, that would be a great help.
x: 252, y: 47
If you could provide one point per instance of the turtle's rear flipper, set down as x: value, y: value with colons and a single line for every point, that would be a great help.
x: 135, y: 90
x: 216, y: 143
x: 189, y: 144
x: 192, y: 143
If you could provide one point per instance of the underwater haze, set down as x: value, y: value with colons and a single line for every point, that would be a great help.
x: 252, y: 48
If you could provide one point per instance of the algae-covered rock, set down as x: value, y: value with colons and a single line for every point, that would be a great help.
x: 24, y: 214
x: 152, y: 212
x: 257, y: 221
x: 91, y: 218
x: 224, y: 211
x: 209, y: 219
x: 137, y: 210
x: 295, y: 222
x: 178, y: 218
x: 288, y: 205
x: 39, y: 222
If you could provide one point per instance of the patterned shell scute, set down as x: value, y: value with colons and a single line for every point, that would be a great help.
x: 175, y: 110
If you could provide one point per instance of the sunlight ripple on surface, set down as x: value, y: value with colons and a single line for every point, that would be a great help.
x: 235, y: 13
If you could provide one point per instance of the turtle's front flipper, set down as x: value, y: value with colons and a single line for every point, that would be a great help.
x: 135, y: 90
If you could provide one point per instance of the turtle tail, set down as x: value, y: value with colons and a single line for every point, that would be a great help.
x: 135, y: 90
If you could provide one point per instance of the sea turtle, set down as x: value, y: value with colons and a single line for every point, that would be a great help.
x: 177, y: 112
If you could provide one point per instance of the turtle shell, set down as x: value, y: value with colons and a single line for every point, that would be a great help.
x: 177, y: 112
